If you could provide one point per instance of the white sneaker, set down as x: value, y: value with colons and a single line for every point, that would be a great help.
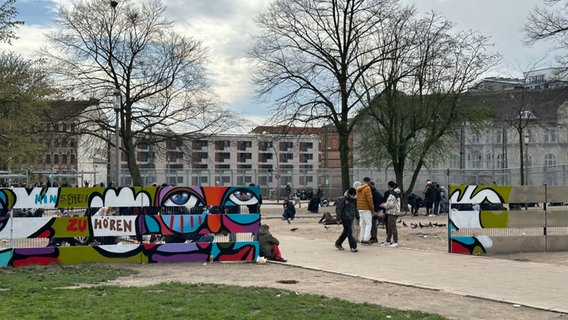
x: 385, y: 244
x: 393, y: 245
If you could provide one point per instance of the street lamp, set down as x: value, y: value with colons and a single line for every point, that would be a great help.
x: 527, y: 139
x: 117, y: 107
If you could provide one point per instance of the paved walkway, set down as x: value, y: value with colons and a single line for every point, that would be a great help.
x: 538, y: 285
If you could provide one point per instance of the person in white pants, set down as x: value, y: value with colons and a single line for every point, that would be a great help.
x: 366, y: 207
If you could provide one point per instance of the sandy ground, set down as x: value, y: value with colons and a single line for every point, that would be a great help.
x: 354, y: 289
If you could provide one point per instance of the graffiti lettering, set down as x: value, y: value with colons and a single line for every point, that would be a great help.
x: 77, y: 225
x: 112, y: 224
x: 41, y: 199
x: 71, y: 199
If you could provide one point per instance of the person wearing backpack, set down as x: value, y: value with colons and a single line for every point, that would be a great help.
x: 346, y: 211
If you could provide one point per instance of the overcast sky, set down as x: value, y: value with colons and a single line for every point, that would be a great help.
x: 225, y: 27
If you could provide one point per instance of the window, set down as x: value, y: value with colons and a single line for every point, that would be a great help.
x: 549, y: 160
x: 244, y: 156
x: 222, y: 144
x: 284, y: 157
x: 501, y: 163
x: 264, y: 145
x: 454, y: 161
x: 305, y: 157
x: 498, y: 136
x: 263, y: 157
x: 476, y: 139
x: 305, y: 146
x: 550, y: 135
x: 243, y: 145
x: 286, y: 145
x: 475, y: 160
x: 222, y: 156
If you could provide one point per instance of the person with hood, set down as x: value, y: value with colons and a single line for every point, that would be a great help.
x: 392, y: 210
x: 346, y: 212
x: 269, y: 245
x: 365, y: 205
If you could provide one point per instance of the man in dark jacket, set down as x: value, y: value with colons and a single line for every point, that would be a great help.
x: 346, y: 211
x: 377, y: 207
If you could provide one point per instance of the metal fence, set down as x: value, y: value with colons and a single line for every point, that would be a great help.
x: 273, y: 183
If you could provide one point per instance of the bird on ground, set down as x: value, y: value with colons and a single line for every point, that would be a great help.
x: 404, y: 224
x: 293, y: 229
x: 413, y: 225
x: 325, y: 226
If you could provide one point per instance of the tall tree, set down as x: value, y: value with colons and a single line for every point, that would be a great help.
x: 549, y: 22
x: 314, y: 55
x: 429, y: 69
x: 24, y: 89
x: 126, y: 45
x: 7, y: 23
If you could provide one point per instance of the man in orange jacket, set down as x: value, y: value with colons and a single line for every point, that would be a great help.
x: 366, y: 208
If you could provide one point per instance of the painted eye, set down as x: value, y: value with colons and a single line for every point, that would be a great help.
x: 181, y: 198
x: 243, y: 198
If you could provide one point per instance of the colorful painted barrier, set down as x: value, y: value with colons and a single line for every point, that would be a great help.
x: 507, y: 219
x: 141, y: 232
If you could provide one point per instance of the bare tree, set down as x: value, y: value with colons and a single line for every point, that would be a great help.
x: 314, y: 56
x: 430, y: 67
x: 549, y: 22
x: 129, y: 46
x: 7, y: 22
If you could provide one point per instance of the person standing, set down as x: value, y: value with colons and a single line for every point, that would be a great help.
x: 346, y: 212
x: 288, y: 191
x: 392, y: 208
x: 437, y: 198
x: 365, y: 207
x: 376, y: 208
x: 429, y: 197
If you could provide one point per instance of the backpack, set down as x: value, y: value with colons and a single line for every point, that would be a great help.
x: 339, y: 205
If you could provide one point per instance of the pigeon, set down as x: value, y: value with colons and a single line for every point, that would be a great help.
x: 404, y: 224
x: 325, y: 226
x: 430, y: 224
x: 420, y: 224
x: 399, y: 221
x: 413, y: 225
x: 293, y: 229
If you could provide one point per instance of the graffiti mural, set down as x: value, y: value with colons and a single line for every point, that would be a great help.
x: 181, y: 214
x: 476, y: 207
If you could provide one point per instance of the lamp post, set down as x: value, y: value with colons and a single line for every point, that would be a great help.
x: 527, y: 138
x: 117, y: 107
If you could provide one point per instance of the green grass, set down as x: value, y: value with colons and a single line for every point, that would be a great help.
x: 38, y: 293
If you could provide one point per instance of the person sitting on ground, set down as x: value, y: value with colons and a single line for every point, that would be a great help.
x: 269, y: 245
x: 289, y: 211
x: 327, y: 218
